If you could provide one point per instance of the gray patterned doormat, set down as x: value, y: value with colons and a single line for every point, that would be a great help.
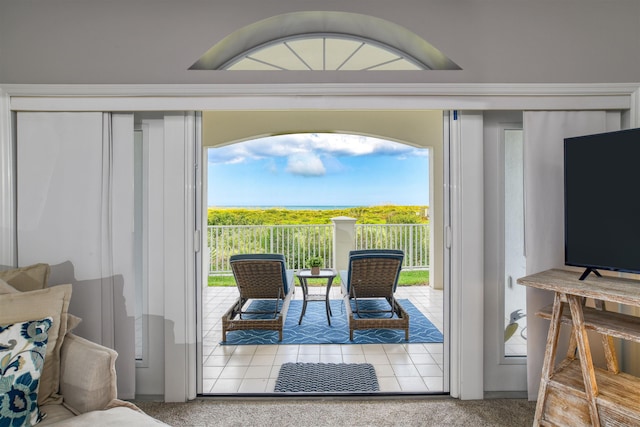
x: 327, y: 378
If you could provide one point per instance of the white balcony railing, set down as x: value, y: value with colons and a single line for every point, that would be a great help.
x: 299, y: 242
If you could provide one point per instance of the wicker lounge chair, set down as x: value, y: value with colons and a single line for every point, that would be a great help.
x: 373, y: 273
x: 259, y: 277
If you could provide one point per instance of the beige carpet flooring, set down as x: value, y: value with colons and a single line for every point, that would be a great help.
x: 320, y: 412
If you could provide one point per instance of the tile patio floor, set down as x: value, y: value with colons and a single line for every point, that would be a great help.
x: 252, y: 369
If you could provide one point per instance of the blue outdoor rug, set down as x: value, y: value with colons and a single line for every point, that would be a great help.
x: 315, y: 330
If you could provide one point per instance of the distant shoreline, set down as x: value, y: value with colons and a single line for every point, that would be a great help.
x: 292, y: 208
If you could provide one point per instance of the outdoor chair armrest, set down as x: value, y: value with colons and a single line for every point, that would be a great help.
x: 290, y: 281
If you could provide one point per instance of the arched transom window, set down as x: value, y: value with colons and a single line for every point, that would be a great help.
x: 323, y: 41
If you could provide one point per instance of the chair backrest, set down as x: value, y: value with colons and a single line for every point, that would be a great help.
x: 374, y: 272
x: 260, y: 275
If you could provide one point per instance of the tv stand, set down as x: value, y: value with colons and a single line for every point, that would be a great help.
x: 590, y: 270
x: 574, y: 392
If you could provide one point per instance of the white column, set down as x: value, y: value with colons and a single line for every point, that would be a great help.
x: 344, y: 240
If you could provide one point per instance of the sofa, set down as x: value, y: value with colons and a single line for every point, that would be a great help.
x: 48, y: 375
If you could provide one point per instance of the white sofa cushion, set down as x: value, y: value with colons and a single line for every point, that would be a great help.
x: 114, y: 417
x: 88, y: 372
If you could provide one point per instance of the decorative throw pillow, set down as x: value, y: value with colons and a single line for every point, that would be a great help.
x: 29, y: 278
x: 22, y: 354
x: 72, y: 320
x: 50, y: 302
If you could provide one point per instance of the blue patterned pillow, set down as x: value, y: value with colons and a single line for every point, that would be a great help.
x: 22, y: 351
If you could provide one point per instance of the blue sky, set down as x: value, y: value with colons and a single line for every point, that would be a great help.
x: 318, y: 169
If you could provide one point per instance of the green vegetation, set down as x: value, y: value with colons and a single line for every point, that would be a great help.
x: 387, y: 214
x: 407, y: 278
x: 314, y: 261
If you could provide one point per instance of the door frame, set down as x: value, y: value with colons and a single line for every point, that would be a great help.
x: 503, y: 375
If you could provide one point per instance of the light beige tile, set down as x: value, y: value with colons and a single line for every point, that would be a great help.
x: 389, y: 385
x: 291, y: 358
x: 373, y: 349
x: 239, y: 361
x: 266, y: 349
x: 405, y: 371
x: 394, y: 348
x: 309, y: 349
x: 429, y: 370
x: 309, y: 358
x: 331, y: 358
x: 233, y: 372
x: 207, y: 385
x: 275, y: 370
x: 416, y: 349
x: 352, y: 349
x: 412, y: 384
x: 258, y: 372
x: 377, y: 359
x: 263, y: 360
x: 217, y: 360
x: 434, y: 383
x: 399, y: 359
x: 354, y: 358
x: 271, y: 385
x: 245, y: 350
x: 226, y: 386
x: 211, y: 372
x: 330, y: 349
x: 434, y: 348
x: 288, y: 349
x: 384, y: 371
x: 423, y: 359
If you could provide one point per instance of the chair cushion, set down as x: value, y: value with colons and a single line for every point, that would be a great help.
x: 22, y: 354
x: 50, y: 302
x: 30, y: 278
x: 266, y: 257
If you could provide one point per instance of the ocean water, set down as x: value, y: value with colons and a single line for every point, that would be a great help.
x: 292, y: 207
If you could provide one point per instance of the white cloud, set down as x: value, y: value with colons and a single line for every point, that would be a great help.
x: 318, y: 145
x: 306, y: 165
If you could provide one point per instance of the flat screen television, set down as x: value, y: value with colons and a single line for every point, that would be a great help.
x: 602, y: 201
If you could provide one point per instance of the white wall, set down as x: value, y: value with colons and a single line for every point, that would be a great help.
x: 149, y: 41
x: 544, y: 210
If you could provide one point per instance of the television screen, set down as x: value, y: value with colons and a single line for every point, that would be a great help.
x: 602, y: 201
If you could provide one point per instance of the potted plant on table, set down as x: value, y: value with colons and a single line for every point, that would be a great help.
x: 314, y: 263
